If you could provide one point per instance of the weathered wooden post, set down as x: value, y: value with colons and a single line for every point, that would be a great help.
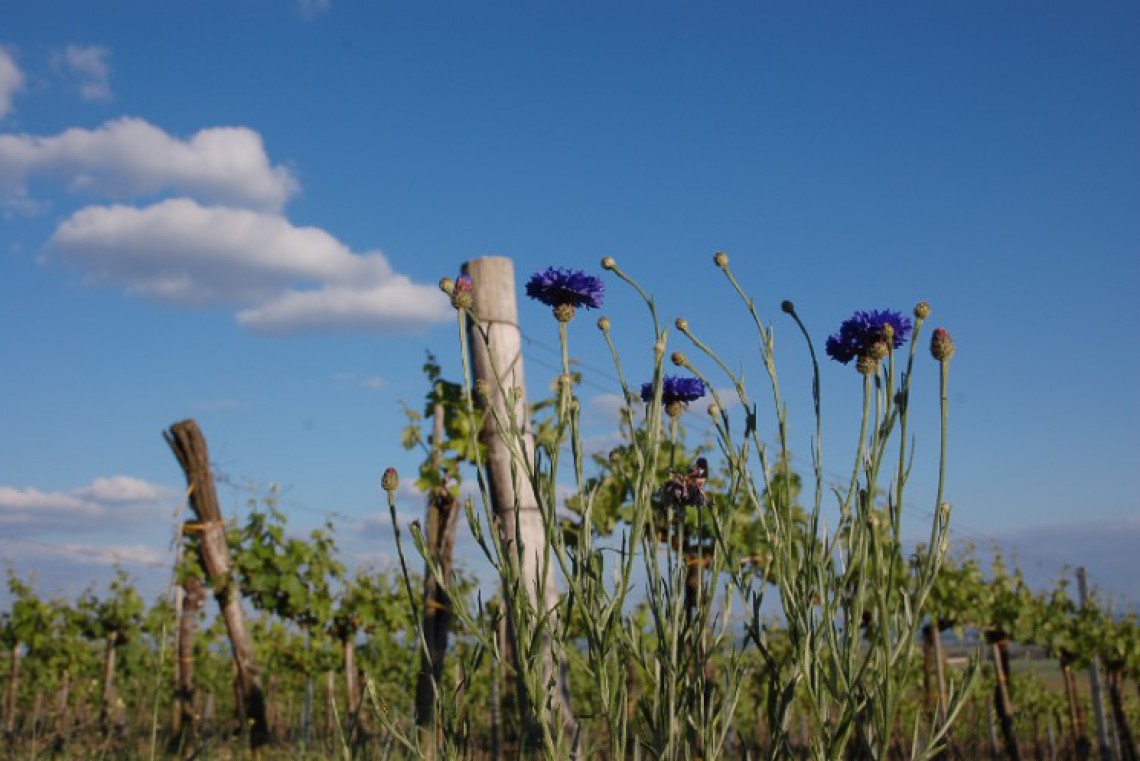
x: 1003, y: 703
x: 442, y: 519
x: 192, y: 600
x: 496, y: 358
x: 1094, y: 680
x: 189, y: 446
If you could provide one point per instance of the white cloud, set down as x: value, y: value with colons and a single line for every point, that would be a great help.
x: 28, y: 509
x: 181, y: 252
x: 368, y: 383
x: 310, y: 9
x: 122, y: 490
x: 129, y: 157
x: 397, y: 305
x: 11, y: 81
x: 89, y: 64
x: 17, y: 504
x: 287, y: 278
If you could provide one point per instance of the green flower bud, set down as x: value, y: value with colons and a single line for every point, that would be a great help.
x: 720, y: 259
x: 446, y: 285
x: 867, y: 364
x: 921, y: 310
x: 603, y: 324
x: 682, y: 324
x: 609, y: 263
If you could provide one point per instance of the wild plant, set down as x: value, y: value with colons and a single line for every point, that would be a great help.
x: 656, y: 548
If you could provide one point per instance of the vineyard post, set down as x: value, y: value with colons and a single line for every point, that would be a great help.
x: 1003, y: 703
x: 496, y: 358
x: 1076, y: 713
x: 1094, y: 680
x: 10, y: 694
x: 193, y: 598
x: 189, y: 446
x: 442, y: 520
x: 179, y: 591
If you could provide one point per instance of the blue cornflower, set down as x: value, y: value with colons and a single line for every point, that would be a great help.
x: 858, y: 336
x: 565, y: 290
x: 676, y: 392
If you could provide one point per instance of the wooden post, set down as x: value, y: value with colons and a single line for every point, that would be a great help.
x: 442, y: 520
x: 1076, y: 714
x: 496, y: 357
x: 1126, y: 746
x: 107, y: 712
x: 12, y: 691
x: 189, y: 446
x: 1003, y: 704
x: 1094, y: 681
x: 193, y: 599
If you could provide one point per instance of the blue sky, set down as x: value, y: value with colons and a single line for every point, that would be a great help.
x: 238, y: 212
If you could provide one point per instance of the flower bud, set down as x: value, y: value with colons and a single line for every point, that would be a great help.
x: 879, y: 350
x: 390, y: 481
x: 679, y: 359
x: 446, y: 285
x: 714, y: 410
x: 866, y: 364
x: 682, y: 324
x: 462, y: 293
x: 888, y: 334
x: 564, y: 312
x: 720, y: 259
x: 921, y: 310
x: 603, y: 324
x: 659, y: 349
x: 787, y: 307
x: 941, y: 345
x: 609, y: 263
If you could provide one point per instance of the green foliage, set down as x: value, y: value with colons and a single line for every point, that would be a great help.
x: 442, y: 464
x: 118, y: 614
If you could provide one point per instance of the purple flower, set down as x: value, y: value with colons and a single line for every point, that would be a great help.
x: 675, y: 390
x: 564, y: 287
x: 857, y: 336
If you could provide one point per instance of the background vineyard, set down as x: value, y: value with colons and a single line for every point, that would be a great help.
x: 95, y: 675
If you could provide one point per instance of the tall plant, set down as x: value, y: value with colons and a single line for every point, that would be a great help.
x: 666, y: 683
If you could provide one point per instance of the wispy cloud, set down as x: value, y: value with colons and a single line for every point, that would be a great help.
x: 368, y: 382
x: 89, y: 65
x: 310, y: 9
x: 11, y: 81
x: 27, y: 510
